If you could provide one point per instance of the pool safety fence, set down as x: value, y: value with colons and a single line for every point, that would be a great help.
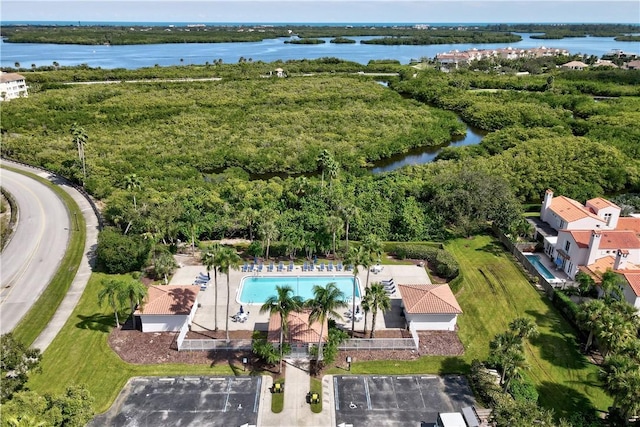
x: 212, y: 345
x: 379, y: 344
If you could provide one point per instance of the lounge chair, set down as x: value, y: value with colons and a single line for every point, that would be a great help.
x: 339, y: 266
x: 280, y: 266
x: 270, y: 267
x: 290, y: 268
x: 321, y: 266
x: 311, y: 266
x: 330, y: 266
x: 245, y: 267
x: 391, y: 290
x: 251, y: 267
x: 260, y: 267
x: 305, y: 266
x: 349, y: 268
x: 387, y: 282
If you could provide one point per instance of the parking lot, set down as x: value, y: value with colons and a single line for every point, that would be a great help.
x: 379, y: 400
x: 185, y: 401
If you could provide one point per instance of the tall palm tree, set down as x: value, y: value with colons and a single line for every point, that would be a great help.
x: 112, y: 292
x: 379, y: 301
x: 353, y: 258
x: 269, y: 232
x: 501, y: 352
x: 349, y: 212
x: 372, y: 247
x: 132, y: 183
x: 325, y: 302
x: 164, y: 265
x: 210, y: 259
x: 248, y: 217
x: 323, y: 162
x: 333, y: 225
x: 135, y: 292
x: 283, y: 303
x: 590, y: 316
x: 612, y: 285
x: 228, y: 259
x: 366, y: 304
x: 80, y: 137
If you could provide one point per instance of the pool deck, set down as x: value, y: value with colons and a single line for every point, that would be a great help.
x: 204, y: 318
x: 560, y: 277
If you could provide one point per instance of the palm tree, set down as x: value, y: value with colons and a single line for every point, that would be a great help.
x: 132, y: 183
x: 249, y: 216
x: 590, y: 317
x: 612, y: 285
x: 135, y: 292
x: 513, y: 361
x: 210, y: 260
x: 585, y: 284
x: 111, y: 291
x: 618, y: 326
x: 80, y: 137
x: 164, y: 265
x: 523, y: 328
x: 333, y: 168
x: 269, y: 232
x: 228, y: 259
x: 333, y: 225
x: 372, y: 247
x: 348, y: 212
x: 501, y: 352
x: 353, y: 258
x: 621, y: 377
x: 366, y: 304
x: 326, y: 301
x: 283, y: 303
x: 379, y: 301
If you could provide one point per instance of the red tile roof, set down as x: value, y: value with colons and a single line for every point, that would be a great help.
x: 610, y: 239
x: 634, y: 281
x: 600, y: 203
x: 299, y: 328
x: 429, y: 299
x: 570, y: 210
x: 164, y: 300
x: 629, y: 223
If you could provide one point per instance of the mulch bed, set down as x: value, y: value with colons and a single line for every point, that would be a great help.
x: 440, y: 343
x: 134, y: 346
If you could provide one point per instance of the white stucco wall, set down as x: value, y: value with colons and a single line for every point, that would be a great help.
x: 631, y: 297
x: 162, y: 323
x: 432, y: 322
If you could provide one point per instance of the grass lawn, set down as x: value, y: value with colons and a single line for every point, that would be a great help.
x: 36, y: 319
x: 494, y: 292
x: 277, y: 399
x: 80, y: 354
x: 315, y: 386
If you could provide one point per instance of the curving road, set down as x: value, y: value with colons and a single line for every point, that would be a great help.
x: 31, y: 258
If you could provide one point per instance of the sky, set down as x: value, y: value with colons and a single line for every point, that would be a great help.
x: 328, y: 11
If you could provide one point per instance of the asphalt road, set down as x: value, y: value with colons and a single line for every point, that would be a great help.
x: 30, y: 260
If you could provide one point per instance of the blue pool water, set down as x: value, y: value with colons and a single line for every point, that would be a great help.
x: 256, y: 290
x: 535, y: 260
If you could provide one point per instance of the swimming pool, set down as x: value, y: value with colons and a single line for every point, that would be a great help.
x: 256, y: 289
x: 535, y: 260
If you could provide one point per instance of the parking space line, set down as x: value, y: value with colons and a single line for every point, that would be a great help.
x: 336, y: 393
x: 424, y: 405
x: 395, y: 395
x: 257, y: 398
x: 366, y: 391
x: 226, y: 401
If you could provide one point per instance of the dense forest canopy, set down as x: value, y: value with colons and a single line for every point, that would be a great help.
x: 193, y: 144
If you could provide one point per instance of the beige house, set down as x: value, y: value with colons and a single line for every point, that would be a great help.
x: 168, y: 308
x: 430, y: 307
x: 575, y: 65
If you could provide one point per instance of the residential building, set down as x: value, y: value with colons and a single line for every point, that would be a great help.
x: 168, y: 308
x: 592, y: 238
x: 575, y: 65
x: 12, y: 85
x: 429, y: 307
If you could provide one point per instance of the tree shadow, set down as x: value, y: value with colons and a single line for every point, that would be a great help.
x: 566, y: 401
x: 97, y: 322
x: 458, y: 390
x: 493, y: 247
x: 454, y: 365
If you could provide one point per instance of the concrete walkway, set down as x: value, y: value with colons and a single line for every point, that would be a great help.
x: 76, y: 289
x: 296, y: 410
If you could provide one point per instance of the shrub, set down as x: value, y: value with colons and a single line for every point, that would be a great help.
x: 118, y: 253
x: 522, y: 388
x: 567, y: 307
x: 264, y: 349
x: 483, y: 383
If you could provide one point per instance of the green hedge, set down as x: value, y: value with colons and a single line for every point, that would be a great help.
x: 439, y: 259
x: 523, y: 389
x: 567, y: 307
